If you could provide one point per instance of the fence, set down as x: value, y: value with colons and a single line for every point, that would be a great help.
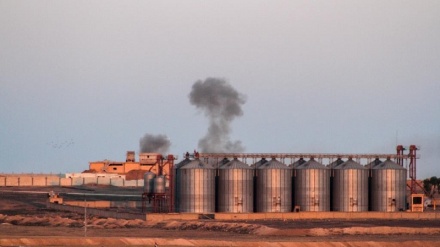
x: 96, y: 212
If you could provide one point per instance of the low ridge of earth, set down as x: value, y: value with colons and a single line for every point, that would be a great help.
x: 25, y: 221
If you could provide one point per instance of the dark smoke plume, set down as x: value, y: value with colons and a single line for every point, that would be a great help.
x: 221, y: 103
x: 154, y: 144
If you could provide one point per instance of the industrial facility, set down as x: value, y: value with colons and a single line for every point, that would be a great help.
x: 148, y: 162
x: 246, y: 183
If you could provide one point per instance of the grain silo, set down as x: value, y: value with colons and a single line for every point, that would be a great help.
x: 274, y: 187
x: 295, y: 165
x: 312, y: 187
x: 216, y: 164
x: 159, y: 184
x: 350, y: 187
x: 332, y: 165
x: 195, y: 187
x: 236, y: 187
x: 370, y: 166
x: 149, y: 182
x: 388, y: 187
x: 177, y: 182
x: 254, y: 166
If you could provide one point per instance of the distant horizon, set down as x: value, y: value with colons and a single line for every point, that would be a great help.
x: 180, y: 158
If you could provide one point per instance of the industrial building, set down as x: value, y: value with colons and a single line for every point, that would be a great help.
x: 148, y: 162
x: 246, y: 183
x: 210, y: 183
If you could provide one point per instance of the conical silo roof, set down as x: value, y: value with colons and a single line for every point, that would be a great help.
x: 221, y: 163
x: 196, y: 164
x: 297, y: 163
x: 312, y: 164
x: 336, y: 163
x: 374, y: 163
x: 350, y: 164
x: 182, y: 163
x: 273, y: 164
x: 235, y: 164
x: 389, y: 164
x: 259, y: 163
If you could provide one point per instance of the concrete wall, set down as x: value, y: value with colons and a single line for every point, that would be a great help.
x: 77, y: 181
x: 115, y: 169
x: 92, y: 180
x: 25, y: 181
x: 12, y: 181
x: 105, y: 204
x: 90, y: 204
x: 103, y: 181
x: 131, y: 183
x: 328, y: 215
x: 131, y: 166
x: 126, y: 204
x: 117, y: 182
x: 40, y: 181
x: 300, y: 216
x: 65, y: 182
x: 97, y: 166
x: 54, y: 180
x: 172, y: 216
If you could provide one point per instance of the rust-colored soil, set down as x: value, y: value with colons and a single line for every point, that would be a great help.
x: 24, y: 221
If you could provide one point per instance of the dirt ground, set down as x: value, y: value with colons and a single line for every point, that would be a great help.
x: 25, y: 221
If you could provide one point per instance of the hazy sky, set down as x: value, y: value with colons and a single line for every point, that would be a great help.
x: 84, y: 80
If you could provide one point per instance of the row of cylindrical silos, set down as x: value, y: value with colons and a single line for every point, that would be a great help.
x: 271, y: 186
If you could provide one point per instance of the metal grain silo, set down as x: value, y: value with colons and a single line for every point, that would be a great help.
x: 332, y: 165
x: 388, y: 187
x: 370, y: 166
x: 295, y: 165
x: 159, y: 184
x: 196, y: 187
x: 149, y: 182
x: 274, y: 187
x: 177, y: 182
x: 236, y: 187
x: 350, y: 187
x: 312, y: 186
x: 254, y: 166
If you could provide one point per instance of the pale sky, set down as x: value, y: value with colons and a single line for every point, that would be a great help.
x: 84, y: 80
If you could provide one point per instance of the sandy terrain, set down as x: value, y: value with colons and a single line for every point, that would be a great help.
x: 24, y: 221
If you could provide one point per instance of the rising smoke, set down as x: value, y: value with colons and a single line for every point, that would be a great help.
x: 221, y: 103
x: 154, y: 144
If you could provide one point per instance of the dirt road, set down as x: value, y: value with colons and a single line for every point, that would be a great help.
x: 25, y: 221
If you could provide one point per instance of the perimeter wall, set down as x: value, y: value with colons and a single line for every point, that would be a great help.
x: 299, y: 216
x: 15, y: 180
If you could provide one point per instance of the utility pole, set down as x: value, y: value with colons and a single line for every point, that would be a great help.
x: 85, y: 216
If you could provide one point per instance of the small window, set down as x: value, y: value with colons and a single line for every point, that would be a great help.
x: 114, y: 168
x: 417, y: 200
